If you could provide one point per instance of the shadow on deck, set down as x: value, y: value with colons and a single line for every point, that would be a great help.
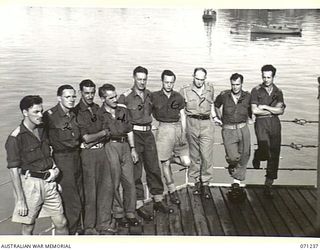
x: 292, y: 212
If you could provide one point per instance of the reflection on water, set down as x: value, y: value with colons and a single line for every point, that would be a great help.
x: 208, y: 26
x: 266, y: 37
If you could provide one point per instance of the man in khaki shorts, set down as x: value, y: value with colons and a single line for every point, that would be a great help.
x: 33, y: 171
x: 172, y: 146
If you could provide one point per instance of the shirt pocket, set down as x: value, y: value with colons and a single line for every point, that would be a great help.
x: 135, y: 110
x: 192, y: 104
x: 32, y: 153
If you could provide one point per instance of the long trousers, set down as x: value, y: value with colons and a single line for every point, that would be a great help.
x: 122, y: 167
x: 148, y: 157
x: 200, y: 138
x: 98, y: 188
x: 237, y: 146
x: 70, y: 179
x: 268, y: 132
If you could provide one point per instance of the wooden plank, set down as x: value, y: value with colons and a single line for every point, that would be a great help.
x: 302, y: 221
x: 304, y: 207
x: 258, y: 210
x: 310, y: 199
x: 212, y: 217
x: 133, y: 230
x: 187, y: 219
x: 43, y: 226
x: 175, y: 226
x: 223, y: 213
x: 287, y: 216
x: 161, y: 221
x: 198, y: 213
x: 8, y: 227
x: 273, y: 214
x: 250, y: 218
x: 148, y: 227
x: 122, y: 230
x: 236, y: 216
x: 313, y: 192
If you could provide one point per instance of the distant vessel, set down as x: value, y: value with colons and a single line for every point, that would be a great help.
x: 209, y: 14
x: 276, y: 29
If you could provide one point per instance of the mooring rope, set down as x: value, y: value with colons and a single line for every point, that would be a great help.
x: 300, y: 121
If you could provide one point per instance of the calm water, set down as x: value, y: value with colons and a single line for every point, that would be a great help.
x: 42, y: 48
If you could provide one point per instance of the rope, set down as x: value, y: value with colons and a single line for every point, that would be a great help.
x: 5, y: 219
x: 298, y: 146
x: 293, y: 145
x: 299, y: 121
x: 4, y: 183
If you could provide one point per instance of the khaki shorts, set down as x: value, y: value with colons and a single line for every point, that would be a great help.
x: 42, y: 198
x: 168, y: 139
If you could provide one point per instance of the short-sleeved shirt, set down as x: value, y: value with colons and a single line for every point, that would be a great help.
x: 118, y: 125
x: 167, y: 109
x: 260, y: 96
x: 63, y: 130
x: 26, y: 151
x: 195, y: 104
x: 87, y: 118
x: 232, y: 112
x: 139, y: 109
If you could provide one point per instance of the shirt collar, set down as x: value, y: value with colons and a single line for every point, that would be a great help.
x: 275, y: 89
x: 146, y: 92
x: 24, y: 129
x: 83, y: 106
x: 193, y: 87
x: 62, y: 113
x: 172, y: 93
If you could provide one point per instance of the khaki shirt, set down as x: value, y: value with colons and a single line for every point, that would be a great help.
x: 26, y: 151
x: 139, y: 110
x: 63, y: 130
x: 195, y: 104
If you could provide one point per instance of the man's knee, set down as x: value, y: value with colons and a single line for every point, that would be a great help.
x: 185, y: 160
x: 60, y: 221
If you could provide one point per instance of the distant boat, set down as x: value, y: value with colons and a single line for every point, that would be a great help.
x: 276, y: 29
x: 209, y: 14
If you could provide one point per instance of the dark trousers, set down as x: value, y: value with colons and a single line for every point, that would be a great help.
x: 98, y: 189
x: 70, y: 179
x: 122, y: 167
x: 268, y: 132
x: 148, y: 157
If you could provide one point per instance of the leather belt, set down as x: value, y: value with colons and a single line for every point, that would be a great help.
x: 234, y: 126
x: 36, y: 174
x: 98, y: 145
x: 142, y: 128
x: 264, y: 116
x: 200, y: 117
x: 119, y: 139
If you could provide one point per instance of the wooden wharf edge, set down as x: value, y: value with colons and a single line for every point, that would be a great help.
x: 291, y: 213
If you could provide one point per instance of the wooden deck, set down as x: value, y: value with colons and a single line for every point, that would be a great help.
x: 292, y: 212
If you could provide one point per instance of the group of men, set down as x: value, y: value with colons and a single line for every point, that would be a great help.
x: 82, y: 164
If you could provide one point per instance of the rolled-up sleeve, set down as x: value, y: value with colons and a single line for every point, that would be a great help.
x: 13, y: 152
